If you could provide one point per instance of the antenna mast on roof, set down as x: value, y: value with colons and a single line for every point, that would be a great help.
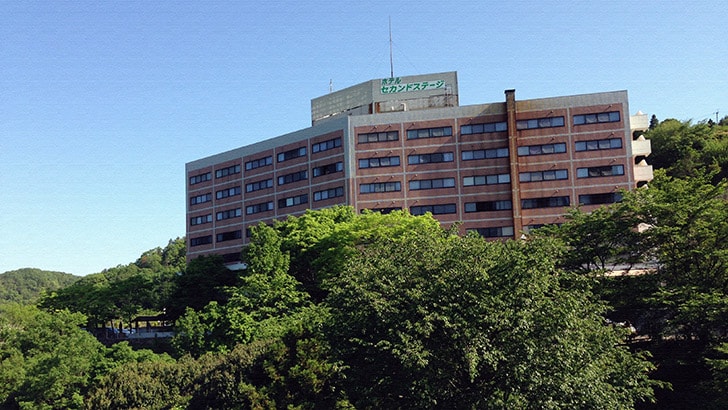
x: 391, y: 60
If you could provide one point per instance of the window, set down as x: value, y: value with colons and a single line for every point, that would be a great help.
x: 598, y: 199
x: 380, y: 187
x: 258, y: 208
x: 432, y: 184
x: 430, y: 158
x: 487, y: 180
x: 257, y: 186
x: 595, y: 172
x: 200, y: 178
x: 259, y: 163
x: 612, y: 116
x: 594, y: 145
x: 329, y: 169
x: 550, y: 175
x: 378, y: 137
x: 499, y: 232
x: 488, y: 206
x: 385, y: 211
x: 547, y: 122
x: 201, y: 198
x: 546, y: 202
x: 378, y: 162
x: 484, y: 128
x: 231, y: 213
x: 328, y: 194
x: 484, y: 154
x: 229, y: 236
x: 294, y: 177
x: 291, y: 154
x: 326, y: 145
x: 293, y: 201
x: 201, y: 240
x: 225, y: 193
x: 544, y: 149
x: 433, y: 209
x: 429, y: 133
x: 199, y: 220
x: 235, y: 169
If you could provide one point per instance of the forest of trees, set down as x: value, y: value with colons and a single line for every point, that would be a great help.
x: 340, y: 310
x: 26, y: 285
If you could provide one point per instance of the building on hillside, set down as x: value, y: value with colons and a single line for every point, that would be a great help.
x: 405, y: 143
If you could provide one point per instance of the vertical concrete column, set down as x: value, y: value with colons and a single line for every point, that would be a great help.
x: 513, y: 157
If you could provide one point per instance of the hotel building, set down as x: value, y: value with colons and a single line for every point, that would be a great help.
x: 405, y: 143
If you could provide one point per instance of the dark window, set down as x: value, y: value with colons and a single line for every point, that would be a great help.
x: 291, y: 154
x: 225, y: 193
x: 200, y: 178
x: 487, y: 180
x: 598, y: 199
x: 199, y: 220
x: 259, y: 163
x: 547, y: 122
x: 293, y: 201
x: 328, y: 193
x: 544, y: 149
x: 488, y: 206
x: 484, y: 154
x: 499, y: 232
x: 594, y: 145
x: 379, y: 162
x: 433, y: 209
x: 201, y: 198
x: 432, y: 184
x: 429, y: 133
x: 328, y: 169
x: 229, y: 236
x: 378, y: 137
x: 326, y: 145
x: 430, y: 158
x: 546, y: 202
x: 231, y: 213
x: 201, y: 240
x: 231, y: 170
x: 257, y: 186
x: 595, y: 172
x: 293, y: 177
x: 583, y: 119
x: 257, y: 208
x: 484, y: 128
x: 380, y: 187
x: 537, y: 176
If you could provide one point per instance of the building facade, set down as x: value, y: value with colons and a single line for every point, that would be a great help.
x: 405, y: 143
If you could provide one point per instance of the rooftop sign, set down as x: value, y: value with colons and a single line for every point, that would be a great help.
x: 395, y: 85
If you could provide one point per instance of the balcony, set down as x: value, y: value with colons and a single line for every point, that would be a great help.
x: 643, y: 172
x: 641, y: 147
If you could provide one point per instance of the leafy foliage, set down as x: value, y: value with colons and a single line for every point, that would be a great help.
x: 124, y: 291
x: 684, y: 149
x: 476, y: 324
x: 27, y: 285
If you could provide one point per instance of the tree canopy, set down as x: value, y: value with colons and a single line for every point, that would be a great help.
x: 27, y: 285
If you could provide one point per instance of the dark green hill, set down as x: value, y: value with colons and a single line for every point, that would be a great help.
x: 25, y: 285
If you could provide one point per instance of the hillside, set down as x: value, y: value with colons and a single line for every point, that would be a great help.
x: 25, y: 285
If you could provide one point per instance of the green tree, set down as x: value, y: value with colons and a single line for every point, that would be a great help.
x: 475, y: 324
x: 46, y: 360
x: 265, y: 304
x: 27, y: 285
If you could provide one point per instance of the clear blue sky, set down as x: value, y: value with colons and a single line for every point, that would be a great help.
x: 102, y: 103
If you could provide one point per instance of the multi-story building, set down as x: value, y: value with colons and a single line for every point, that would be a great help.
x: 405, y: 143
